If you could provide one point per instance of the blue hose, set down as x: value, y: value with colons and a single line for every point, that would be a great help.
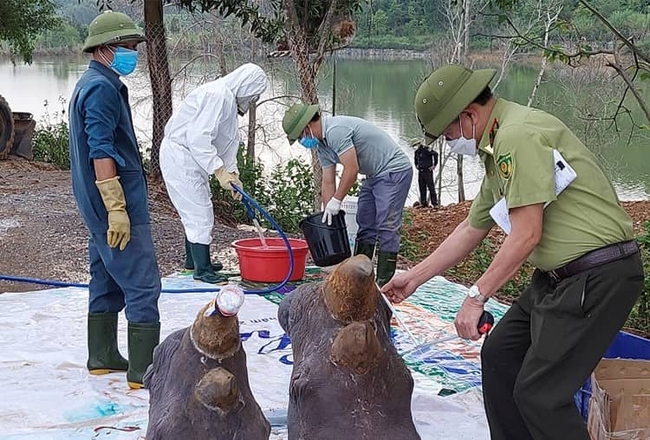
x: 248, y: 201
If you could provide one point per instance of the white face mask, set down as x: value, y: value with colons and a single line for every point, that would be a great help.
x: 463, y: 145
x: 244, y: 102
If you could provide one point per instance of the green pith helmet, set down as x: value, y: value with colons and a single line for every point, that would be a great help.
x: 446, y: 93
x: 296, y: 119
x: 110, y: 28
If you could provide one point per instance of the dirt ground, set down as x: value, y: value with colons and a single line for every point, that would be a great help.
x: 430, y: 226
x: 42, y: 235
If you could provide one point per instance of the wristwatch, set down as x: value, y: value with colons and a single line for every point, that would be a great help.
x: 474, y: 293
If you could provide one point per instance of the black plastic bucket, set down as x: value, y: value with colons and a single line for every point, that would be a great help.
x: 328, y: 244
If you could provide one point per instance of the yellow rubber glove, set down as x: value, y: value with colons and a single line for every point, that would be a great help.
x: 225, y: 179
x: 119, y: 225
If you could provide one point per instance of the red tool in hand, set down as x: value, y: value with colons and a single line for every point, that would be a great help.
x: 486, y: 323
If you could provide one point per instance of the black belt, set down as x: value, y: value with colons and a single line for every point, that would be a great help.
x: 595, y: 258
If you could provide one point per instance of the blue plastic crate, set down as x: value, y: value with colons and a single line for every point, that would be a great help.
x: 626, y: 346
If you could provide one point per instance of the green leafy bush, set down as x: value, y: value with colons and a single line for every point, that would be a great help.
x: 287, y: 195
x: 291, y: 193
x: 51, y: 137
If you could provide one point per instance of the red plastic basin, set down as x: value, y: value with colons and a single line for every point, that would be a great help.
x: 271, y: 264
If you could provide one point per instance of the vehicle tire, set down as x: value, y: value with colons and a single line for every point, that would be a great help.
x: 6, y: 129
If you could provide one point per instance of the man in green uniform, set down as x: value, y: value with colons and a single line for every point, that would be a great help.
x: 588, y: 270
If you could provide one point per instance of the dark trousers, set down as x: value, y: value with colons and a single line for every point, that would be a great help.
x: 379, y: 209
x: 425, y: 181
x: 125, y: 278
x: 547, y: 345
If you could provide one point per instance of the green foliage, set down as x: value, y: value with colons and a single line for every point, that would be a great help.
x: 266, y: 20
x: 355, y: 189
x: 51, y: 138
x: 397, y: 24
x: 629, y: 22
x: 77, y: 15
x: 287, y: 195
x: 64, y: 36
x: 22, y: 21
x: 384, y: 23
x: 409, y: 246
x: 226, y: 209
x: 266, y: 27
x: 291, y: 193
x: 269, y: 25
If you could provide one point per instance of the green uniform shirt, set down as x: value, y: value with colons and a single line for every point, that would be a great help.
x: 517, y: 151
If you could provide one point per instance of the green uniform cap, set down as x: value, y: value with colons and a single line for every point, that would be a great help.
x: 445, y: 94
x: 296, y: 119
x: 110, y: 28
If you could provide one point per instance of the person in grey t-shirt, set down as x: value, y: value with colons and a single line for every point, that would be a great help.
x: 362, y: 148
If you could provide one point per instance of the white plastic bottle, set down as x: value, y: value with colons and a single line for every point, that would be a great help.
x: 229, y: 300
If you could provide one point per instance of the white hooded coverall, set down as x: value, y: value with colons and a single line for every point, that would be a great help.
x: 201, y: 137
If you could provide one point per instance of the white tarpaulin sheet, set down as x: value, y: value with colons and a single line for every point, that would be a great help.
x: 48, y: 394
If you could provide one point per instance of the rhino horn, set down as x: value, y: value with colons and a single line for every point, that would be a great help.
x: 350, y: 292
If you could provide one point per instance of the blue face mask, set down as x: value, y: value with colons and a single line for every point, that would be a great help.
x: 310, y: 141
x: 124, y: 61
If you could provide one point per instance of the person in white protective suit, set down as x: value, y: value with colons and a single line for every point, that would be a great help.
x: 201, y: 138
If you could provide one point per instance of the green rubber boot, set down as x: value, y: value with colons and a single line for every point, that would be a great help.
x: 202, y: 268
x: 189, y: 262
x: 366, y: 249
x: 143, y: 338
x: 386, y: 264
x: 103, y: 354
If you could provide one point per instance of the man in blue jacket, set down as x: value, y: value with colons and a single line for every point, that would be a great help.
x: 110, y: 188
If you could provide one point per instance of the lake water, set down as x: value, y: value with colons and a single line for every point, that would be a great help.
x: 379, y: 91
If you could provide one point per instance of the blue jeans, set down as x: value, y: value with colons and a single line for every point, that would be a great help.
x: 379, y: 209
x: 125, y: 278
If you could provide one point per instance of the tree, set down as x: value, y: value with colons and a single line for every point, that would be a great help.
x: 380, y: 19
x: 537, y: 20
x: 548, y: 13
x: 627, y: 58
x: 61, y: 36
x: 315, y: 27
x: 21, y: 23
x: 459, y: 17
x: 161, y: 83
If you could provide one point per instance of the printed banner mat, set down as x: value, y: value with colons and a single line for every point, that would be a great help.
x: 48, y: 394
